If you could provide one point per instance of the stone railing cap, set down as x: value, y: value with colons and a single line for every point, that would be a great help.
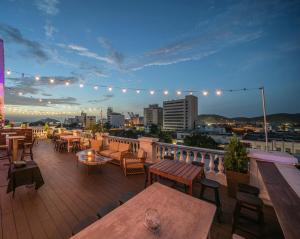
x: 148, y: 139
x: 273, y: 156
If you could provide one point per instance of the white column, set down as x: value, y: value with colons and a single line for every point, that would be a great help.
x: 180, y: 155
x: 149, y: 146
x: 195, y: 155
x: 203, y: 157
x: 211, y: 163
x: 188, y: 158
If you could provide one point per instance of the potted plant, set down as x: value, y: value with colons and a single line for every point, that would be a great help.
x: 236, y: 164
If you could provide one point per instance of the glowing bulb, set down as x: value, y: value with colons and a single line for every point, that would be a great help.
x: 8, y: 72
x: 95, y: 87
x: 191, y: 93
x: 20, y: 93
x: 178, y: 92
x: 81, y: 85
x: 166, y: 92
x: 40, y: 100
x: 49, y: 102
x: 67, y: 83
x: 109, y: 88
x: 138, y: 91
x: 37, y: 78
x: 51, y: 81
x: 124, y: 90
x: 152, y: 92
x: 218, y: 92
x: 205, y: 93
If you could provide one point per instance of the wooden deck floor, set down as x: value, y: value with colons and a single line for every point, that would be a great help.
x: 69, y: 195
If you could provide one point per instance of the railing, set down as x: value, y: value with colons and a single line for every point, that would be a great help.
x: 212, y: 159
x: 134, y: 143
x: 39, y: 132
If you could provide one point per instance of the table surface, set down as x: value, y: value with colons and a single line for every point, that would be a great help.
x: 284, y: 199
x: 16, y: 137
x: 93, y: 159
x: 8, y: 133
x: 69, y: 137
x: 181, y: 216
x: 176, y: 170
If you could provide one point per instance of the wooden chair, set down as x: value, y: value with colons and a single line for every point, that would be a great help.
x: 27, y: 149
x: 133, y: 163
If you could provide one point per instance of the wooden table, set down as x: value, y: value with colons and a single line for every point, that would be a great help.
x: 90, y: 158
x: 284, y: 199
x: 15, y: 140
x: 177, y: 171
x: 70, y: 138
x: 181, y: 216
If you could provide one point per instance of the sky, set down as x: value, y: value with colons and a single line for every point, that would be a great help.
x: 186, y: 46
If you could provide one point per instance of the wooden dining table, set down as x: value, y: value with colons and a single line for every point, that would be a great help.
x: 70, y: 139
x: 175, y: 170
x: 181, y: 216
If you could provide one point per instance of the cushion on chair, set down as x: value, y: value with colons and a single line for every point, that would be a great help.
x: 114, y: 146
x: 116, y: 155
x: 107, y: 152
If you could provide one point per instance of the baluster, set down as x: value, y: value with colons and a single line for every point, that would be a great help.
x: 169, y: 151
x: 158, y: 152
x: 195, y: 155
x: 163, y: 151
x: 180, y: 155
x: 221, y: 165
x: 188, y: 158
x: 211, y: 163
x: 203, y: 157
x: 175, y: 153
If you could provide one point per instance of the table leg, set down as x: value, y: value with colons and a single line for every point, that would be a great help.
x: 15, y: 150
x: 191, y: 189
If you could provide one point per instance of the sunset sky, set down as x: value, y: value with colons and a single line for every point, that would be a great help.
x: 151, y: 45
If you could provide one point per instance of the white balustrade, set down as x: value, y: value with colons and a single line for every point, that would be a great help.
x: 134, y: 143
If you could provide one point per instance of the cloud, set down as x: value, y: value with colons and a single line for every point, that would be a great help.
x: 105, y: 98
x: 48, y: 7
x: 13, y: 35
x: 82, y: 51
x: 115, y: 55
x: 49, y: 30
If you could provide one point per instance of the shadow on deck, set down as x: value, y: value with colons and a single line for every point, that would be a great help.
x: 69, y: 195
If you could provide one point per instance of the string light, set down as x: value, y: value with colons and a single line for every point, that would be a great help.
x: 96, y: 87
x: 67, y: 83
x: 81, y: 85
x: 51, y: 80
x: 191, y: 93
x: 152, y: 92
x: 40, y: 100
x: 124, y: 90
x: 37, y: 78
x: 49, y: 102
x: 205, y: 93
x: 178, y: 92
x: 166, y: 92
x: 8, y: 72
x: 20, y: 93
x: 138, y: 91
x: 110, y: 89
x: 218, y: 92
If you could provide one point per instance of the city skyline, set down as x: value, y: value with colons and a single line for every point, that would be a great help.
x: 172, y: 46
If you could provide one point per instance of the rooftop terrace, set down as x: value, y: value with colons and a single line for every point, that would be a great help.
x: 69, y: 195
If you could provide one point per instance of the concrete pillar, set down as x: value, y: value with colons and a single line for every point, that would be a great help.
x: 148, y: 145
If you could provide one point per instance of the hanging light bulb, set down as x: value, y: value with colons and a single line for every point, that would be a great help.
x: 178, y: 92
x: 205, y: 93
x: 52, y: 80
x: 40, y: 100
x: 49, y: 102
x: 138, y: 91
x: 81, y: 85
x: 152, y: 92
x: 110, y: 89
x: 20, y: 93
x: 166, y: 92
x: 218, y: 92
x: 37, y: 78
x: 67, y: 83
x: 96, y: 87
x: 124, y: 90
x: 191, y: 93
x: 8, y: 72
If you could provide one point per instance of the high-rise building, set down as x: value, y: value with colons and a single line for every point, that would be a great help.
x: 90, y: 121
x: 109, y: 111
x: 153, y: 115
x: 83, y: 119
x: 180, y: 114
x: 116, y: 120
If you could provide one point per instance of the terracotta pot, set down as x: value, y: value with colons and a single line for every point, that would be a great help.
x: 233, y: 179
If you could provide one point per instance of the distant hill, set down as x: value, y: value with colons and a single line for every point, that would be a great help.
x: 43, y: 121
x: 272, y: 118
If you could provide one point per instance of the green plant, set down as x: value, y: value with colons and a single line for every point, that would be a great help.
x: 236, y: 158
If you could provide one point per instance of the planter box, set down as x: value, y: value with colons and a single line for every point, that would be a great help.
x: 233, y: 179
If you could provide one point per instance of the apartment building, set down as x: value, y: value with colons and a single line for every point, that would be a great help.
x: 181, y: 114
x: 153, y: 115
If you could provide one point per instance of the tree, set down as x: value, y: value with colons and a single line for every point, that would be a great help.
x: 165, y: 137
x: 202, y: 141
x: 154, y: 129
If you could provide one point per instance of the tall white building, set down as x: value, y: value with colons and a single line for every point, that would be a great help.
x: 116, y: 120
x: 153, y: 115
x: 180, y: 114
